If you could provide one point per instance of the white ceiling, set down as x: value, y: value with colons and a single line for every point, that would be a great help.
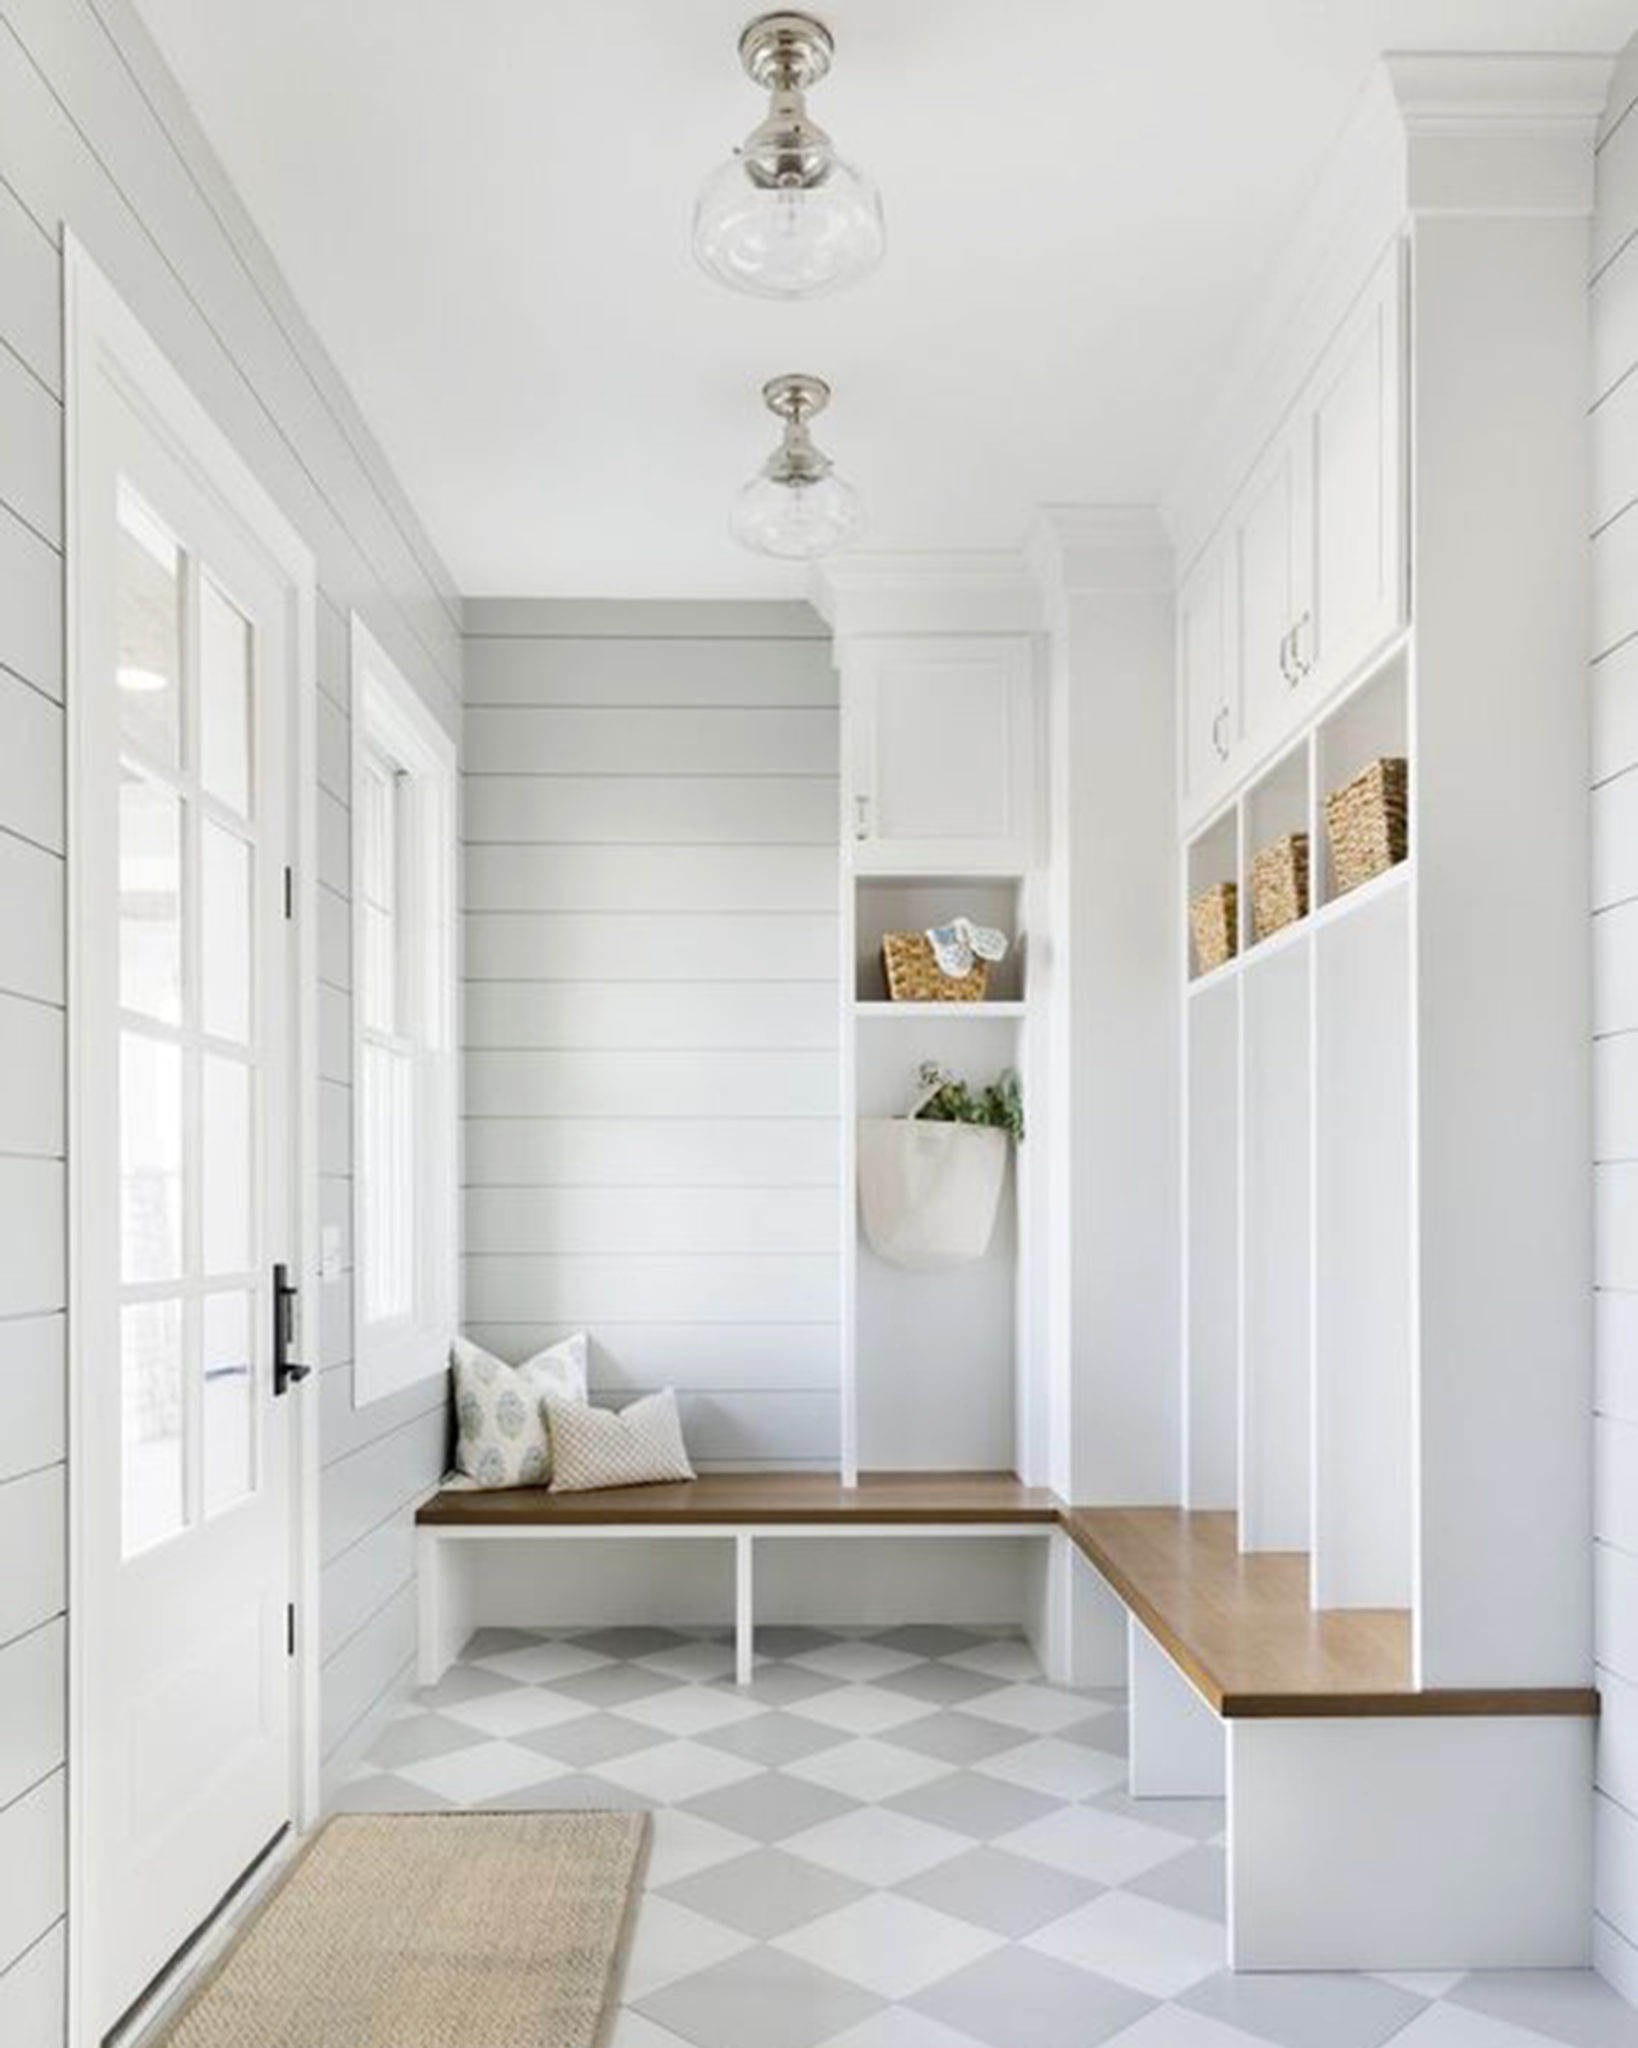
x: 483, y: 206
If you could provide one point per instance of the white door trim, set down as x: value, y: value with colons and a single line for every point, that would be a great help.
x: 103, y: 338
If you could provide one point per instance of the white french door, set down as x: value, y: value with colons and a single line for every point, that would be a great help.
x: 183, y: 1186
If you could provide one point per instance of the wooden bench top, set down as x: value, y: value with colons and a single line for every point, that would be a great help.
x: 1241, y: 1630
x: 756, y: 1498
x: 1238, y: 1626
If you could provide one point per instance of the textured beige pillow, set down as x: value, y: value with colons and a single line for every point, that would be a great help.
x: 501, y: 1435
x: 595, y: 1447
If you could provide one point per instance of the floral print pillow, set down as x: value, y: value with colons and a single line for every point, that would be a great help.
x: 502, y: 1437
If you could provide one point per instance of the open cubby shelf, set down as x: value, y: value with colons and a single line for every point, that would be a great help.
x: 908, y: 1012
x: 934, y: 1376
x: 1369, y: 722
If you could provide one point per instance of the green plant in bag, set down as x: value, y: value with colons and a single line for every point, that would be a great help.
x: 949, y: 1100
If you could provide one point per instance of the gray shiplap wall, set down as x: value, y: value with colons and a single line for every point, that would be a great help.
x: 650, y: 925
x: 1614, y: 313
x: 94, y: 136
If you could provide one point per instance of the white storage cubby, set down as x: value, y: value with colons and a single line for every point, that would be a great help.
x: 1211, y: 1279
x: 1276, y: 1390
x: 1362, y: 1295
x: 1298, y: 1185
x: 914, y: 903
x: 935, y: 1351
x: 1372, y: 723
x: 1212, y: 859
x: 1279, y: 803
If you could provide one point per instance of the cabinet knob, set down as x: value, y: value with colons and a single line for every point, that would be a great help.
x: 1219, y: 743
x: 1288, y: 667
x: 861, y: 817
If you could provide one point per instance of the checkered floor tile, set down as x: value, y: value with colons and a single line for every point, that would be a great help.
x: 903, y: 1839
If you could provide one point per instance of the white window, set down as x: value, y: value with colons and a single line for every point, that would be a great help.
x: 404, y: 1128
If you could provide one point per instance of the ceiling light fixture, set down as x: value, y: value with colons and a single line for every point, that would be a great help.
x: 796, y: 506
x: 786, y: 217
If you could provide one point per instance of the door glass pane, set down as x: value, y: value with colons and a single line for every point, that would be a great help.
x: 228, y: 1407
x: 378, y: 894
x: 148, y: 675
x: 150, y: 899
x: 151, y: 1386
x: 226, y: 1145
x: 224, y: 698
x: 150, y: 1147
x: 225, y: 913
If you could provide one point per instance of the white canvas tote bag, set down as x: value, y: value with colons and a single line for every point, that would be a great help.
x: 929, y: 1192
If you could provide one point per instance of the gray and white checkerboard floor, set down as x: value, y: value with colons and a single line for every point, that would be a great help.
x: 904, y: 1839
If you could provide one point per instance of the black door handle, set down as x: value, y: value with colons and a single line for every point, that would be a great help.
x: 285, y: 1369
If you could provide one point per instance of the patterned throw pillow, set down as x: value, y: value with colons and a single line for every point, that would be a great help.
x: 594, y: 1447
x: 502, y: 1438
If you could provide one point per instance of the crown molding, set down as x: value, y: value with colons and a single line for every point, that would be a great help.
x: 1113, y: 550
x: 961, y: 591
x: 1499, y: 133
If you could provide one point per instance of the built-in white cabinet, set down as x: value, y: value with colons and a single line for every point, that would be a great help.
x: 1209, y: 713
x: 1270, y: 552
x: 1304, y: 580
x: 1354, y: 426
x: 939, y: 754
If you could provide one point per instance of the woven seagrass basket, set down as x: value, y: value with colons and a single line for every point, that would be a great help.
x: 1367, y: 822
x: 914, y: 975
x: 1214, y: 923
x: 1279, y: 884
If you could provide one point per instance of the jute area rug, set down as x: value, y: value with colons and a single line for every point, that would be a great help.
x: 432, y: 1930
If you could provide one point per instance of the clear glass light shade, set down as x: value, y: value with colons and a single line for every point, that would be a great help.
x: 797, y: 521
x: 787, y: 240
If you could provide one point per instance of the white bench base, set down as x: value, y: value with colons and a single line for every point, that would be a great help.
x: 986, y: 1573
x: 1401, y: 1844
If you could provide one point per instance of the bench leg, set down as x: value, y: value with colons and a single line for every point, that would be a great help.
x: 431, y: 1651
x: 744, y: 1610
x: 1096, y: 1623
x: 1176, y: 1740
x: 1427, y: 1843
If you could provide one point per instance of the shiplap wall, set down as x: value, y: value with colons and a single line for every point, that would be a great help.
x: 1614, y: 307
x: 94, y: 136
x: 651, y: 891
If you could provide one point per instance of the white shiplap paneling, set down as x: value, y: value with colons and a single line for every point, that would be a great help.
x: 33, y: 1708
x: 33, y: 1872
x: 633, y: 810
x: 669, y: 1016
x: 651, y: 895
x: 33, y: 1393
x: 652, y: 1152
x: 31, y: 1077
x: 698, y: 1082
x: 1613, y: 307
x: 650, y: 946
x: 666, y: 671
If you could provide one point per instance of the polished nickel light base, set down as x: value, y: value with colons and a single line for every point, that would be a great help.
x: 786, y: 52
x: 795, y: 397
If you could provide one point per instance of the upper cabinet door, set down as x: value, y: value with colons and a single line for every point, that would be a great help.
x: 1272, y: 555
x: 1208, y: 707
x: 1355, y: 428
x: 940, y: 756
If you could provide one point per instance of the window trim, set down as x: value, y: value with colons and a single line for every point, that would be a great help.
x: 390, y: 720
